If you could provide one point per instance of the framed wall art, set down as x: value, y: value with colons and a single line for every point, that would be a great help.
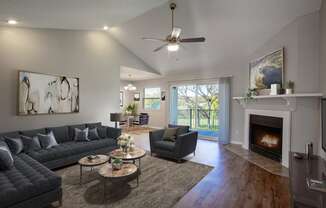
x: 268, y: 70
x: 47, y: 94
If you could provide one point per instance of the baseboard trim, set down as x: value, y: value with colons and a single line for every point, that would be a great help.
x: 236, y: 142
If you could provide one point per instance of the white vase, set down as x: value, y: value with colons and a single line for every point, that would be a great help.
x: 288, y: 91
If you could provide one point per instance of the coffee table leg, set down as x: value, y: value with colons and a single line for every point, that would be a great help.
x: 138, y: 178
x: 81, y: 174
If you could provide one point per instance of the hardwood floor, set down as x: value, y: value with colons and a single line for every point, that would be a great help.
x: 234, y: 182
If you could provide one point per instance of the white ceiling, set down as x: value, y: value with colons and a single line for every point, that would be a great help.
x: 233, y: 28
x: 131, y: 74
x: 73, y: 14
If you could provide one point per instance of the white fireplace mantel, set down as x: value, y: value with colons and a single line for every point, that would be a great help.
x: 290, y: 99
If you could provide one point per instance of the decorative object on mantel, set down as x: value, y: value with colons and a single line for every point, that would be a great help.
x: 265, y: 71
x: 249, y: 95
x: 47, y: 94
x: 289, y: 87
x: 275, y: 89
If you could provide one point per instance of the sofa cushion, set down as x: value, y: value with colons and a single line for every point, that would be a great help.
x: 170, y: 134
x: 93, y: 134
x: 81, y: 135
x: 34, y: 132
x: 102, y: 132
x: 6, y: 159
x: 47, y: 140
x: 181, y: 129
x: 16, y: 145
x: 67, y: 149
x: 26, y: 179
x: 94, y: 125
x: 31, y: 143
x: 165, y: 145
x: 72, y: 129
x: 61, y: 133
x: 14, y: 134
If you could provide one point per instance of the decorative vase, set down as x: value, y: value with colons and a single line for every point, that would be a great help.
x: 288, y: 91
x: 116, y: 166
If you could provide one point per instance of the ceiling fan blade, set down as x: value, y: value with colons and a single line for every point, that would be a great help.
x: 154, y: 39
x: 159, y: 48
x: 192, y: 40
x: 176, y: 32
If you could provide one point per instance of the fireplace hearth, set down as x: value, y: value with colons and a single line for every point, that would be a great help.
x: 265, y: 136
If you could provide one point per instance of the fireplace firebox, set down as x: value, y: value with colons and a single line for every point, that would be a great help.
x: 265, y: 136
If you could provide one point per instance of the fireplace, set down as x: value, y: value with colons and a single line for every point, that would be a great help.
x: 265, y: 136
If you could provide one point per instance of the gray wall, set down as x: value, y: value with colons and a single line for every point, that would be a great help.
x: 301, y: 41
x: 322, y: 56
x: 93, y: 56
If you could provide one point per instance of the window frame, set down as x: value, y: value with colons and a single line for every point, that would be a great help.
x: 152, y: 98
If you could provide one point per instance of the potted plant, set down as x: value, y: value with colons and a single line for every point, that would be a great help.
x: 249, y: 95
x: 116, y: 163
x: 289, y: 87
x: 131, y: 109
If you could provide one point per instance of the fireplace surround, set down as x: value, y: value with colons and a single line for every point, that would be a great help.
x: 286, y: 130
x: 265, y: 136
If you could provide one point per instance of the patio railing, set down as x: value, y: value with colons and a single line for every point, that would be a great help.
x: 199, y: 118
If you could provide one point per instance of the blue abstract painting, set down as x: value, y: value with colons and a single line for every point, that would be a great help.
x: 267, y: 70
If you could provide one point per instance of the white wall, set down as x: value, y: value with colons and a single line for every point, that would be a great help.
x: 92, y: 56
x: 300, y: 39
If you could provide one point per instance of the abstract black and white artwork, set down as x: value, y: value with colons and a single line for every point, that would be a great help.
x: 47, y: 94
x: 267, y: 70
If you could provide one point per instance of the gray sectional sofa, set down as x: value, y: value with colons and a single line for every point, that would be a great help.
x: 30, y: 183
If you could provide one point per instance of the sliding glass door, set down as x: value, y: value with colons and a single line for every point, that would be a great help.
x: 196, y: 105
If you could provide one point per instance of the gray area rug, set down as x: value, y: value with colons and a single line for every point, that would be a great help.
x: 162, y: 184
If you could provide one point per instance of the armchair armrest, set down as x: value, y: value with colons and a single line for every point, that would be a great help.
x: 186, y: 143
x: 112, y: 132
x: 155, y: 136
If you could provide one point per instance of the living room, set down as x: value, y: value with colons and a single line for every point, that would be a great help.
x: 185, y: 103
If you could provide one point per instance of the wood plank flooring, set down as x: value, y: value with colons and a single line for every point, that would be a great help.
x: 234, y: 182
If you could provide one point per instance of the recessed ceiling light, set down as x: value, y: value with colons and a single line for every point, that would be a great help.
x: 105, y: 27
x: 12, y: 22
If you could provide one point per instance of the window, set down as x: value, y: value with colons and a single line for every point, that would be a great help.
x: 152, y: 98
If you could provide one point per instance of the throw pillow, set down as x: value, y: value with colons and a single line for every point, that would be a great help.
x: 47, y: 140
x: 170, y: 134
x: 31, y: 143
x: 93, y: 134
x: 6, y: 159
x: 81, y: 135
x: 16, y: 145
x: 102, y: 132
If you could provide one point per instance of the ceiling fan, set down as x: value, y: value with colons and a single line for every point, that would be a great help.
x: 173, y: 40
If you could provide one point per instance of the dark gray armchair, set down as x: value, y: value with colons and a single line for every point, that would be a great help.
x: 185, y: 144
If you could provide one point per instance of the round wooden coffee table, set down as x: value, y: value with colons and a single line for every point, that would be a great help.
x: 135, y: 154
x: 108, y: 173
x: 86, y: 162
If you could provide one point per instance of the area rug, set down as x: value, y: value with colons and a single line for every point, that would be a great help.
x: 162, y: 184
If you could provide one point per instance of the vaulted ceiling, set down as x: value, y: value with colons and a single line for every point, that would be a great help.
x: 233, y: 28
x: 74, y: 14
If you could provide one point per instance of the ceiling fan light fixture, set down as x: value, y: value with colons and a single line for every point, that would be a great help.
x: 172, y: 47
